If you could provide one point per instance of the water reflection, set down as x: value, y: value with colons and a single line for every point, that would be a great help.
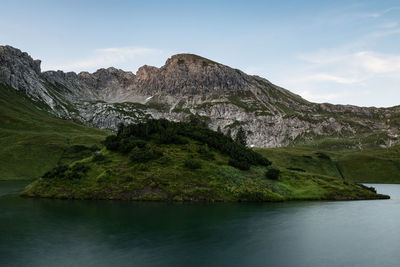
x: 102, y: 233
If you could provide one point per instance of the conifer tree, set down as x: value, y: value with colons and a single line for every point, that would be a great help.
x: 241, y: 137
x: 229, y: 133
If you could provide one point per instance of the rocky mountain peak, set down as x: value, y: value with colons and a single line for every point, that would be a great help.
x: 190, y: 84
x: 22, y: 72
x: 13, y: 57
x: 106, y: 77
x: 144, y: 72
x: 188, y: 60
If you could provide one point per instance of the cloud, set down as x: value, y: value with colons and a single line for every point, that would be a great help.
x: 106, y: 57
x: 376, y: 63
x: 325, y: 77
x: 343, y: 77
x: 389, y: 25
x: 318, y: 97
x: 384, y: 33
x: 362, y: 63
x: 380, y: 14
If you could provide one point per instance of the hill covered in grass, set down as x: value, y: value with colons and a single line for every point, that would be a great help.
x: 32, y: 141
x: 168, y: 161
x: 372, y: 165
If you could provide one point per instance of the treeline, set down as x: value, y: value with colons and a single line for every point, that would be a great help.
x: 163, y: 131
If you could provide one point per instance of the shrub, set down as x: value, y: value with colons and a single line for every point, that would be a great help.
x: 57, y: 171
x: 98, y: 157
x: 171, y: 138
x: 126, y: 145
x: 141, y: 155
x: 323, y: 156
x: 112, y: 142
x: 79, y: 148
x: 95, y: 148
x: 273, y: 174
x: 141, y: 167
x: 70, y: 175
x: 163, y: 131
x: 370, y: 188
x: 193, y: 164
x: 80, y: 167
x: 64, y: 172
x: 139, y: 143
x: 241, y: 165
x: 127, y: 179
x: 205, y: 153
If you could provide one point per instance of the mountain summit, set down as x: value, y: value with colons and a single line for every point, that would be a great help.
x: 192, y: 85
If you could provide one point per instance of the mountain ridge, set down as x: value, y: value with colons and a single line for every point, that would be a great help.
x: 192, y: 85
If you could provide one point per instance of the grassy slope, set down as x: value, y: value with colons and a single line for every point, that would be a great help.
x: 166, y: 178
x: 32, y: 141
x: 368, y: 166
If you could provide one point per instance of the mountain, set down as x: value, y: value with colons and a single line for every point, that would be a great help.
x: 188, y: 84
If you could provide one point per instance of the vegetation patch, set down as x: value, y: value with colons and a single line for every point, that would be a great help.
x: 162, y: 160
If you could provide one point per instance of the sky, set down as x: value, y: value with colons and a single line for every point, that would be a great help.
x: 341, y: 52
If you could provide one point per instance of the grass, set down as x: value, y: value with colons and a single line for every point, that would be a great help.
x: 32, y: 141
x: 169, y: 178
x: 373, y: 165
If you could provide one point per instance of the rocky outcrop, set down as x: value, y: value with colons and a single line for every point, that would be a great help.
x: 20, y: 71
x: 189, y: 84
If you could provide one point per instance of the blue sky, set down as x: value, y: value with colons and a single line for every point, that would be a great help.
x: 344, y: 52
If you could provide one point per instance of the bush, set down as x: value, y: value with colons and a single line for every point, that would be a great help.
x: 370, y: 188
x: 79, y: 148
x: 139, y: 143
x: 112, y: 142
x: 57, y: 171
x: 163, y: 131
x: 170, y: 138
x: 205, y: 153
x: 273, y: 174
x: 323, y: 156
x: 141, y: 155
x: 80, y: 167
x: 98, y: 157
x: 94, y: 148
x: 64, y: 172
x: 193, y: 164
x: 241, y: 165
x: 126, y: 145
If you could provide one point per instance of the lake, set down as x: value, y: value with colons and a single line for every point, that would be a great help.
x: 43, y: 232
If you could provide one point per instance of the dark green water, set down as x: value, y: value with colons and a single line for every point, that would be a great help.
x: 40, y: 232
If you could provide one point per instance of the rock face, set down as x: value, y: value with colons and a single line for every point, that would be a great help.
x: 20, y: 71
x: 189, y: 84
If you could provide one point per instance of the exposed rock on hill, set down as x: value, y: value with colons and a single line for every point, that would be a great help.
x: 189, y: 84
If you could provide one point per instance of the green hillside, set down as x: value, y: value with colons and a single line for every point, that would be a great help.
x: 373, y: 165
x: 33, y: 142
x: 162, y: 160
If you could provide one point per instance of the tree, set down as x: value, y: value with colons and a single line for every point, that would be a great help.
x: 219, y: 129
x: 241, y: 137
x: 272, y: 174
x: 229, y: 133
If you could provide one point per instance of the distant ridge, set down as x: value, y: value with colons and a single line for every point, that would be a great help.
x: 189, y: 84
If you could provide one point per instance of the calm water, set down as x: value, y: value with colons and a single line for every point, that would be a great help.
x: 37, y: 232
